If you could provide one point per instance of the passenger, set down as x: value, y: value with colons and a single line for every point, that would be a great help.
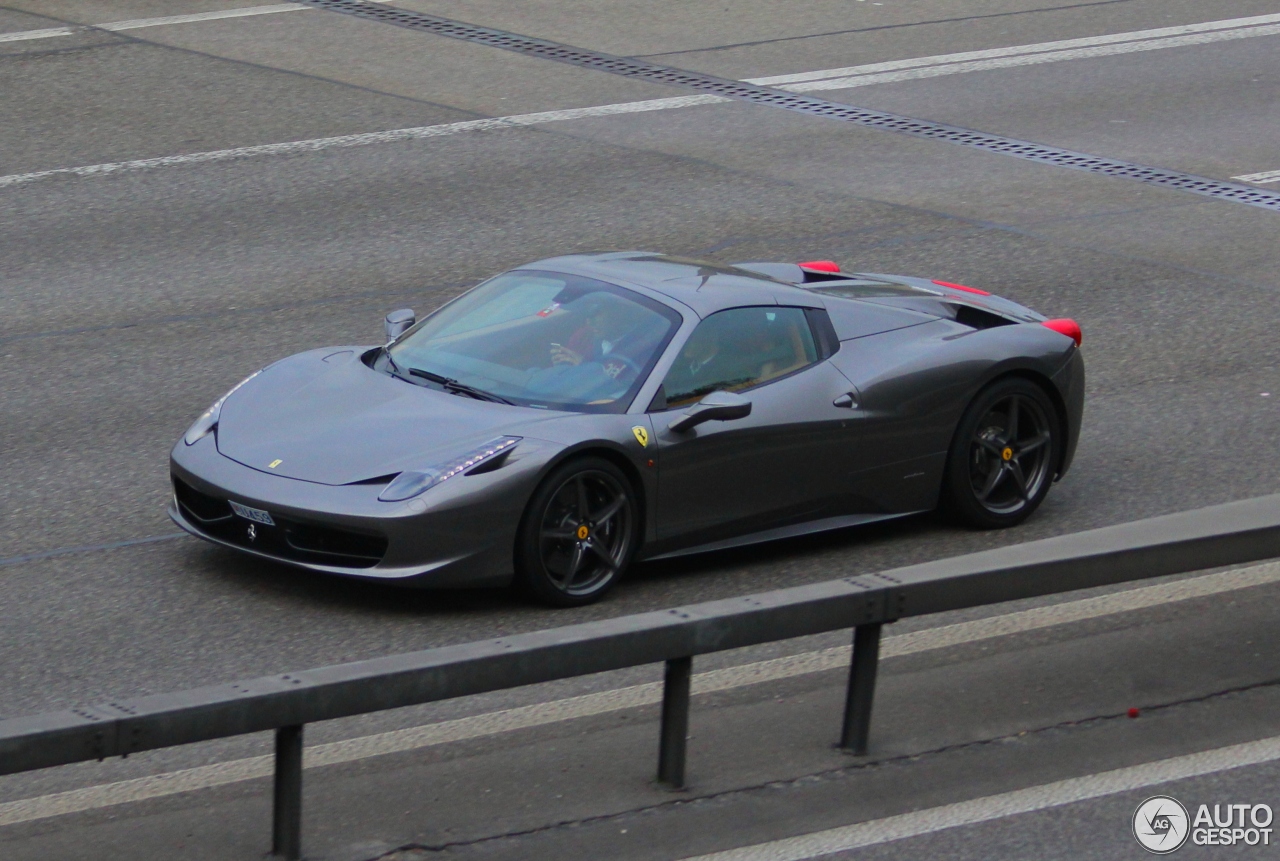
x: 706, y: 364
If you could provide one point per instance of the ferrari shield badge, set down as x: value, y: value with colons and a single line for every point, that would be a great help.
x: 642, y: 436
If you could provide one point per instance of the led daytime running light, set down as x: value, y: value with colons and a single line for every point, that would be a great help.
x: 409, y: 484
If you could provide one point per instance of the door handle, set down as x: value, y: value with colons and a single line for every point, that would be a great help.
x: 847, y: 401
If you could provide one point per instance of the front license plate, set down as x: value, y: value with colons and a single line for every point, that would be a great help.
x: 257, y: 515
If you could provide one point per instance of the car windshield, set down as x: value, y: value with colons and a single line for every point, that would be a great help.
x: 543, y: 339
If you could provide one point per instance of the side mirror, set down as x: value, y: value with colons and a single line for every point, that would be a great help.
x: 398, y: 322
x: 717, y: 406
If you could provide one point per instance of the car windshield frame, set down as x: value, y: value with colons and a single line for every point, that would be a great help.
x: 542, y: 307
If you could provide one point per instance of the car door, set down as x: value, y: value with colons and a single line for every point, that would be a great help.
x: 781, y: 464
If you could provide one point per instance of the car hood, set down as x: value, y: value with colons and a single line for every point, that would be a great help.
x: 326, y: 417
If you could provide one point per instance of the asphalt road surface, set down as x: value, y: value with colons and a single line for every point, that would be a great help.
x: 175, y: 212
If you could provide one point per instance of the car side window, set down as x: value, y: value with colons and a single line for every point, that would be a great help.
x: 738, y: 349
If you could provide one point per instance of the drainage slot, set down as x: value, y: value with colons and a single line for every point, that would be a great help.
x: 631, y: 68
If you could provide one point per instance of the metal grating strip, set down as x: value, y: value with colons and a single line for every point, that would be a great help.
x: 631, y: 68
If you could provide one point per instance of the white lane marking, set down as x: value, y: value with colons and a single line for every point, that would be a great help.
x: 823, y: 843
x: 1063, y: 45
x: 47, y: 33
x: 541, y: 714
x: 139, y: 23
x: 1269, y: 176
x: 852, y: 76
x: 935, y: 71
x: 246, y: 12
x: 848, y: 77
x: 1135, y: 35
x: 358, y: 140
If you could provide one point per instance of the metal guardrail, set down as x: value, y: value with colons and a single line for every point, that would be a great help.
x: 1228, y: 534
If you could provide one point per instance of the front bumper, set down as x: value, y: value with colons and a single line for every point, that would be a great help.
x: 461, y: 533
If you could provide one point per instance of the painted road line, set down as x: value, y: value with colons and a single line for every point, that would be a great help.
x: 936, y: 71
x: 1040, y: 47
x: 588, y: 705
x: 1269, y: 176
x: 139, y: 23
x: 878, y: 831
x: 967, y: 56
x: 47, y: 33
x: 247, y: 12
x: 164, y: 21
x: 358, y: 140
x: 841, y: 78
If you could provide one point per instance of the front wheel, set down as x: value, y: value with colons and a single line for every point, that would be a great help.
x: 578, y: 535
x: 1003, y: 456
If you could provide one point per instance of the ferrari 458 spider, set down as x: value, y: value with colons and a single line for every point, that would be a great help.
x: 564, y: 419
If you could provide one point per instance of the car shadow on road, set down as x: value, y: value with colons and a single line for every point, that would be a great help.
x: 648, y: 585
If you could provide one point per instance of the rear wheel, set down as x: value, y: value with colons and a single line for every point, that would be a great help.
x: 1002, y: 459
x: 578, y: 534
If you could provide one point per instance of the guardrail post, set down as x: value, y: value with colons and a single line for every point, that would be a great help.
x: 675, y: 722
x: 862, y: 688
x: 286, y: 816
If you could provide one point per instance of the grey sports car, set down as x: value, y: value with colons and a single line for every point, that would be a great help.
x: 561, y: 420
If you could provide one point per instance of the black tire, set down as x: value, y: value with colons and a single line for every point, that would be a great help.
x: 578, y: 535
x: 1004, y: 455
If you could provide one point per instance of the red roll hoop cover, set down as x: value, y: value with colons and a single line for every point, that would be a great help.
x: 961, y: 287
x: 1067, y: 327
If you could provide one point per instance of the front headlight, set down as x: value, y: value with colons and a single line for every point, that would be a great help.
x: 409, y: 484
x: 208, y: 420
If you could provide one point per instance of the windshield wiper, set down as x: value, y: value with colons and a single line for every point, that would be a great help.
x: 454, y: 387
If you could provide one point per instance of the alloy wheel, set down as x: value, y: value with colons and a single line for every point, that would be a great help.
x: 1009, y: 454
x: 586, y: 532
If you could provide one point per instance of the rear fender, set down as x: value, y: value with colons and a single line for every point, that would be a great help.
x: 917, y: 382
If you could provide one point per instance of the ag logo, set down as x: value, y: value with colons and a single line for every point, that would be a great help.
x: 642, y: 436
x: 1161, y: 825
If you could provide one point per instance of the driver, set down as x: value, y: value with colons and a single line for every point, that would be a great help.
x: 595, y: 361
x: 592, y: 341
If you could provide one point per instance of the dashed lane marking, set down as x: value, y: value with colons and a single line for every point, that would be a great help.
x: 853, y: 76
x: 1060, y: 47
x: 367, y: 139
x: 967, y: 56
x: 944, y: 66
x: 1269, y: 176
x: 820, y: 844
x: 140, y: 23
x: 541, y: 714
x: 46, y: 33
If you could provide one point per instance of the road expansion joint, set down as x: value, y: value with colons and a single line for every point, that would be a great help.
x: 43, y: 53
x: 412, y: 851
x: 957, y: 225
x: 130, y: 39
